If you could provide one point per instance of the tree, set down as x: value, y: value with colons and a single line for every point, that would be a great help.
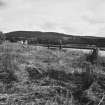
x: 2, y: 37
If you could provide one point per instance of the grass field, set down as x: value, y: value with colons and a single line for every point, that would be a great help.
x: 31, y: 75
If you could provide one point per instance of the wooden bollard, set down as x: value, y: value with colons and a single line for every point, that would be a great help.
x: 94, y: 55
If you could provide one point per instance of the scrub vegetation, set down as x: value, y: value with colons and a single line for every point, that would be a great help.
x: 33, y: 75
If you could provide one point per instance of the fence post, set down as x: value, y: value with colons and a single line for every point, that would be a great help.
x: 95, y: 55
x: 60, y: 43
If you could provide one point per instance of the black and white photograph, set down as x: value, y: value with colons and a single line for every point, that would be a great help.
x: 52, y: 52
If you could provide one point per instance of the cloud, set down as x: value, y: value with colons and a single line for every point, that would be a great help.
x: 70, y: 16
x: 48, y: 26
x: 93, y: 19
x: 95, y: 12
x: 2, y: 3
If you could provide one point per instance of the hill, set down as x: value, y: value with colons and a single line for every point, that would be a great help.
x: 54, y: 38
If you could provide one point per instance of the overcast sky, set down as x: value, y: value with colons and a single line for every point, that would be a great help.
x: 82, y: 17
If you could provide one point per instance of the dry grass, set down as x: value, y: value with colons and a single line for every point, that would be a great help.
x: 41, y: 76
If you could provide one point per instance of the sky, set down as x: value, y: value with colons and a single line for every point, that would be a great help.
x: 76, y: 17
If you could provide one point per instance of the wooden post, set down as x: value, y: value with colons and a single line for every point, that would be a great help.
x: 48, y: 44
x: 60, y: 43
x: 95, y: 55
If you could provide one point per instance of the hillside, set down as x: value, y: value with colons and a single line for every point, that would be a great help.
x: 54, y: 38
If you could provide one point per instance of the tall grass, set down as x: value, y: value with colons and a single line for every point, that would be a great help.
x: 45, y: 76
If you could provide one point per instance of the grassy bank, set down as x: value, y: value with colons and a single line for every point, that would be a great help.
x: 30, y: 75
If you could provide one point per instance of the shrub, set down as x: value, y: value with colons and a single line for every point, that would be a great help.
x: 7, y: 68
x: 34, y: 73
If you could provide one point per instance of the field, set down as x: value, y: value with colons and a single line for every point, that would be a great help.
x: 33, y: 75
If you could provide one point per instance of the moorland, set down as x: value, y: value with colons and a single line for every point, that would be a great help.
x: 35, y: 75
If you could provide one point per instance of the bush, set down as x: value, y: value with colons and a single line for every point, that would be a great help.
x: 7, y: 68
x: 34, y: 73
